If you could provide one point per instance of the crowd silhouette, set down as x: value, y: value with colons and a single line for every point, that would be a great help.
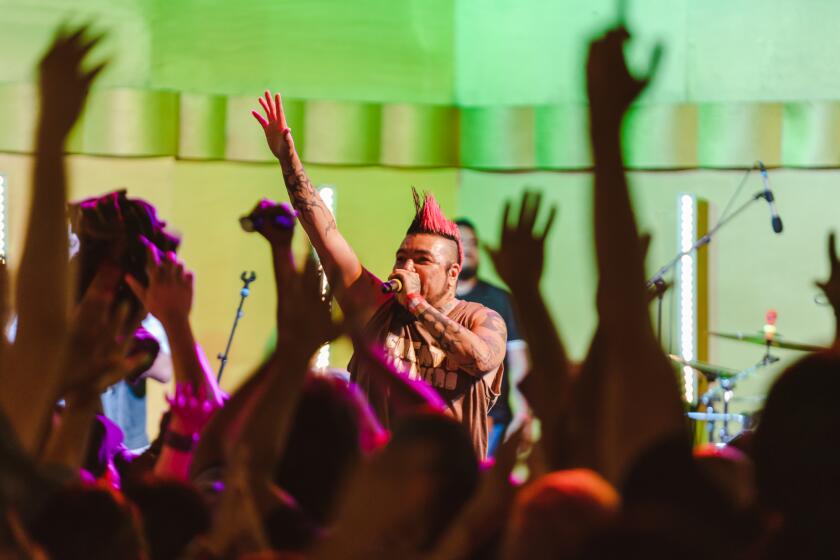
x: 301, y: 464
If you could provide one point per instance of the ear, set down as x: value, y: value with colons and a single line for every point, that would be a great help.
x: 454, y: 271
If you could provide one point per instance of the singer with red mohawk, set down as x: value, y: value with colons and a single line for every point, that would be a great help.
x: 457, y: 347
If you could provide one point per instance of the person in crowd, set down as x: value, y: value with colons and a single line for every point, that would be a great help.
x: 295, y: 465
x: 109, y: 228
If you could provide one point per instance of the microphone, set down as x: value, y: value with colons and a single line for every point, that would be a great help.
x: 775, y: 220
x: 392, y: 286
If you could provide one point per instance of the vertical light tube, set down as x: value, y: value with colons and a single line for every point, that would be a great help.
x: 327, y: 193
x: 687, y: 289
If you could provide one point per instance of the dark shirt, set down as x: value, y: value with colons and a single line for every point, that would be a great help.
x: 498, y: 300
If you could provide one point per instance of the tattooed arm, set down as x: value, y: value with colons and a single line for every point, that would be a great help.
x: 478, y: 349
x: 356, y: 289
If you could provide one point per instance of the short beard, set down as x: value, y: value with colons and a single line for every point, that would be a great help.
x: 468, y: 273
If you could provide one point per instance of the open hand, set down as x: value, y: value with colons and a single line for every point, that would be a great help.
x: 99, y: 344
x: 64, y: 85
x: 831, y: 287
x: 170, y: 291
x: 191, y: 409
x: 519, y: 258
x: 278, y: 135
x: 610, y: 86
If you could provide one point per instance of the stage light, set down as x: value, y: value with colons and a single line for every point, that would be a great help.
x: 327, y: 194
x: 687, y: 289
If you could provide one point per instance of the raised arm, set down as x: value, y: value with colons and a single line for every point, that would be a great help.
x: 636, y: 367
x: 304, y: 325
x: 189, y: 414
x: 519, y: 262
x: 218, y: 437
x: 96, y: 355
x: 169, y: 298
x: 42, y: 285
x: 831, y: 288
x: 611, y: 88
x: 357, y: 291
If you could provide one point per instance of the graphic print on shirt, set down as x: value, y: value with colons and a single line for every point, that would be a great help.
x: 421, y: 361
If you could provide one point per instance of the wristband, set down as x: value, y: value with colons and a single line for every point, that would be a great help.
x: 180, y: 442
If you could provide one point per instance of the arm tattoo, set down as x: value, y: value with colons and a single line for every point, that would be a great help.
x: 474, y: 352
x: 307, y: 201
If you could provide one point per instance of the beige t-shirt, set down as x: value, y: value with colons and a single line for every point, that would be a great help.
x: 417, y: 353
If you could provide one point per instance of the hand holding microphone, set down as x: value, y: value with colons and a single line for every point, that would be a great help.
x: 274, y: 221
x: 404, y: 283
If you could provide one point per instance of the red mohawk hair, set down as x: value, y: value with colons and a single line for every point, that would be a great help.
x: 429, y: 218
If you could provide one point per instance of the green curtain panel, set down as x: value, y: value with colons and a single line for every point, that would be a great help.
x: 129, y: 122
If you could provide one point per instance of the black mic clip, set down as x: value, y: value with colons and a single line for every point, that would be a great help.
x: 766, y: 195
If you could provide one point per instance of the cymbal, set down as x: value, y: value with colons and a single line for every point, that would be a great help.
x: 709, y: 371
x: 776, y: 342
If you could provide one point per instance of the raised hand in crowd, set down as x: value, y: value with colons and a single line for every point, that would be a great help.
x: 640, y: 383
x: 275, y: 222
x: 831, y: 286
x: 521, y: 254
x: 98, y: 354
x: 610, y: 86
x: 42, y: 284
x: 64, y: 83
x: 190, y: 411
x: 519, y: 261
x: 169, y: 297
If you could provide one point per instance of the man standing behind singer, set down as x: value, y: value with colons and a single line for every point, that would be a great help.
x: 511, y: 411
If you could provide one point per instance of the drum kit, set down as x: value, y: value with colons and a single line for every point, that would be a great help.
x: 714, y: 404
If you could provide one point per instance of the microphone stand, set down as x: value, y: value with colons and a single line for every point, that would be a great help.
x: 243, y: 293
x: 657, y: 281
